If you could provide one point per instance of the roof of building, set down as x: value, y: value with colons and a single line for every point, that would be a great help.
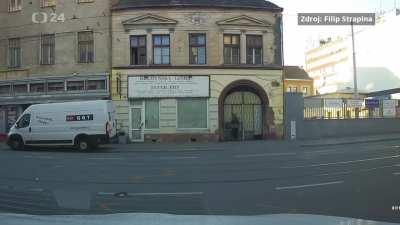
x: 295, y: 73
x: 253, y: 4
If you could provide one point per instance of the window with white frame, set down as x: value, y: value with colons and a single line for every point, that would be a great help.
x: 254, y: 49
x: 55, y: 86
x: 47, y: 49
x: 93, y: 85
x: 5, y: 89
x: 20, y: 88
x: 48, y: 3
x: 192, y: 113
x: 14, y: 49
x: 152, y: 114
x: 85, y: 47
x: 231, y: 49
x: 197, y: 49
x: 161, y: 49
x: 75, y: 85
x: 14, y: 5
x: 36, y: 87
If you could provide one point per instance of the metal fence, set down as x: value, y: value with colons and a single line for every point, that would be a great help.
x: 350, y: 108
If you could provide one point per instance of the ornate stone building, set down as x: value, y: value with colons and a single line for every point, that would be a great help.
x: 52, y: 51
x: 197, y: 70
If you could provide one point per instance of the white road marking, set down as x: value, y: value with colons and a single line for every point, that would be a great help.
x: 396, y: 174
x: 37, y: 157
x: 265, y: 155
x: 106, y: 158
x: 155, y: 193
x: 308, y: 185
x: 178, y: 157
x: 342, y: 162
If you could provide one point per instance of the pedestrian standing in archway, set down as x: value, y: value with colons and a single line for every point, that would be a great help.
x: 235, y: 127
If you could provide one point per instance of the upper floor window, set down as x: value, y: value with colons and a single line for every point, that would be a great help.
x: 291, y: 89
x: 161, y: 49
x: 138, y: 50
x: 14, y: 50
x: 197, y: 46
x: 48, y: 3
x: 85, y: 47
x: 305, y: 90
x: 254, y: 49
x: 231, y: 49
x: 14, y: 5
x: 47, y: 49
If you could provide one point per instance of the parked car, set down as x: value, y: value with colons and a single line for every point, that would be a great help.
x: 84, y: 125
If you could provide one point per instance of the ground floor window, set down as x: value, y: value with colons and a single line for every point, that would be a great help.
x: 152, y: 114
x: 192, y: 113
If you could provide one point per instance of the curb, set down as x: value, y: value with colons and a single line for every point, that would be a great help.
x: 350, y: 142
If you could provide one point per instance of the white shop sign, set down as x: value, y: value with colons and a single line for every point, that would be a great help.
x: 168, y: 86
x: 333, y: 103
x: 355, y: 103
x: 389, y: 108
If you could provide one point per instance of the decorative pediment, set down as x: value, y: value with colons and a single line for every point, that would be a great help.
x: 149, y: 19
x: 244, y: 21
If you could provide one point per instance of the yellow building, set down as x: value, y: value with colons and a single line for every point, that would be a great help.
x: 203, y: 71
x: 297, y: 80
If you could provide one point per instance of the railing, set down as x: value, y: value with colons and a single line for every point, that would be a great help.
x: 350, y: 108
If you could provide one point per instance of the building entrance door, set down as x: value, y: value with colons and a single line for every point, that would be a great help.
x: 136, y: 124
x: 243, y: 116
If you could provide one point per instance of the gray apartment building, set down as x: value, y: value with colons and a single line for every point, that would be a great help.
x: 50, y: 51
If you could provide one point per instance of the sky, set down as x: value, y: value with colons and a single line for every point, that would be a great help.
x: 298, y: 38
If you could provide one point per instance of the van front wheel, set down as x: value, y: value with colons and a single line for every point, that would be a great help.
x: 16, y: 143
x: 82, y: 144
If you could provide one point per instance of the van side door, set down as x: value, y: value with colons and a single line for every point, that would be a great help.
x: 24, y: 129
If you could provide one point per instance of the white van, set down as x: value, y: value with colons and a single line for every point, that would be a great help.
x: 84, y: 125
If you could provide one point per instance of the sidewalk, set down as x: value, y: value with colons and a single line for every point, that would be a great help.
x: 349, y: 140
x: 226, y: 146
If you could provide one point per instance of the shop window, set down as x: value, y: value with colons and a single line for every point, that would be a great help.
x: 14, y: 52
x: 36, y: 87
x: 55, y: 86
x: 138, y: 50
x: 254, y: 49
x: 197, y: 48
x: 20, y: 88
x: 75, y: 85
x: 5, y: 89
x: 47, y: 49
x: 192, y: 113
x: 152, y: 117
x: 161, y: 49
x: 93, y: 85
x: 85, y: 47
x: 231, y: 49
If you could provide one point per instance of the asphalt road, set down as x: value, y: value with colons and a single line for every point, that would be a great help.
x: 252, y: 178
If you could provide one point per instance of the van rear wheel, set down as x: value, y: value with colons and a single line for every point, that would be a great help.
x: 82, y: 144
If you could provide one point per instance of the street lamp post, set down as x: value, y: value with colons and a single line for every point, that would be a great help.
x: 354, y: 63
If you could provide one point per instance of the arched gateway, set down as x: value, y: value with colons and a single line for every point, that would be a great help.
x: 243, y: 111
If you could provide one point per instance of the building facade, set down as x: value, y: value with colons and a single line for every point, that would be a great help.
x: 52, y: 51
x: 330, y: 63
x: 203, y: 71
x: 296, y: 79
